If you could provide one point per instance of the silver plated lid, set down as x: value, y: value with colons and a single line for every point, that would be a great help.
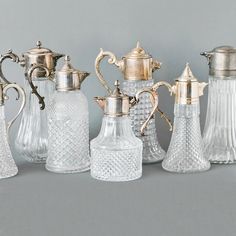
x: 117, y: 103
x: 221, y: 61
x: 68, y: 78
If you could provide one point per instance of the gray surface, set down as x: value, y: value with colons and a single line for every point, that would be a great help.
x: 40, y: 203
x: 37, y: 203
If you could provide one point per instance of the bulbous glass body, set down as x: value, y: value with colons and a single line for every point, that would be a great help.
x: 32, y: 138
x: 116, y: 154
x: 8, y: 167
x: 219, y: 136
x: 185, y: 153
x: 68, y: 132
x: 152, y: 151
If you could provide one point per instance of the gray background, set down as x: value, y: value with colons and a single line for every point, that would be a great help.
x: 37, y: 202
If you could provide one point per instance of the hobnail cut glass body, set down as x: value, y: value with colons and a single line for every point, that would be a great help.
x: 68, y: 133
x: 219, y: 136
x: 152, y: 151
x: 116, y: 154
x: 32, y: 138
x: 185, y: 153
x: 8, y: 167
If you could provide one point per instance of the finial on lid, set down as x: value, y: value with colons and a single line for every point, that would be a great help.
x: 138, y: 44
x: 117, y: 83
x: 67, y: 58
x: 38, y: 44
x: 117, y: 88
x: 187, y: 74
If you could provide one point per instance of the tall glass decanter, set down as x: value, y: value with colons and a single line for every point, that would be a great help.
x: 39, y: 64
x: 137, y: 68
x: 219, y: 134
x: 116, y: 154
x: 8, y: 167
x: 185, y: 152
x: 68, y: 123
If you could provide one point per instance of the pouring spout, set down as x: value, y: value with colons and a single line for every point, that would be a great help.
x: 101, y: 101
x: 83, y: 75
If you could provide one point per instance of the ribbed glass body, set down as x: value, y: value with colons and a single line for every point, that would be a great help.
x: 116, y: 154
x: 152, y: 151
x: 185, y: 153
x: 8, y: 167
x: 32, y: 138
x: 68, y: 132
x: 219, y: 134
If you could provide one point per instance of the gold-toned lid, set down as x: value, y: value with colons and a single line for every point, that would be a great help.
x: 187, y: 75
x: 138, y: 53
x: 68, y: 78
x: 40, y: 56
x: 187, y: 89
x: 117, y: 103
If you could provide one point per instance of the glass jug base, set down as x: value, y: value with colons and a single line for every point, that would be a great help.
x: 221, y: 156
x: 135, y: 176
x: 9, y: 173
x: 153, y: 158
x: 56, y: 169
x: 36, y: 160
x: 177, y: 169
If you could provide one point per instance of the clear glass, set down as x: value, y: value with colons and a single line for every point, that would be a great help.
x: 185, y: 153
x: 8, y: 167
x: 116, y: 154
x: 152, y: 151
x: 219, y: 136
x: 68, y: 133
x: 32, y: 138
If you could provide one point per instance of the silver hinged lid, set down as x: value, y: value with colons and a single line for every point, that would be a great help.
x: 116, y: 104
x: 221, y: 61
x: 68, y: 78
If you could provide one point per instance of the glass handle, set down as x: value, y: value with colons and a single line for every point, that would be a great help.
x: 20, y: 92
x: 33, y: 87
x: 155, y: 101
x: 111, y: 60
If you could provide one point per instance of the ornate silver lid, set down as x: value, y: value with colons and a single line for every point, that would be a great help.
x: 40, y: 56
x: 68, y: 78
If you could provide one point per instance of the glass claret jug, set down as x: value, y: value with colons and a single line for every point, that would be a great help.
x: 8, y: 167
x: 137, y: 68
x: 116, y: 154
x: 185, y: 152
x: 39, y: 65
x: 219, y: 134
x: 68, y: 123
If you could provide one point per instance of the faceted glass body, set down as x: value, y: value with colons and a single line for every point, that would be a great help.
x: 116, y: 154
x: 219, y: 134
x: 185, y: 153
x: 152, y: 151
x: 8, y: 167
x: 32, y: 138
x: 68, y: 130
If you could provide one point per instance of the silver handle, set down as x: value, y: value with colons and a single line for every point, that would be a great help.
x: 33, y: 87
